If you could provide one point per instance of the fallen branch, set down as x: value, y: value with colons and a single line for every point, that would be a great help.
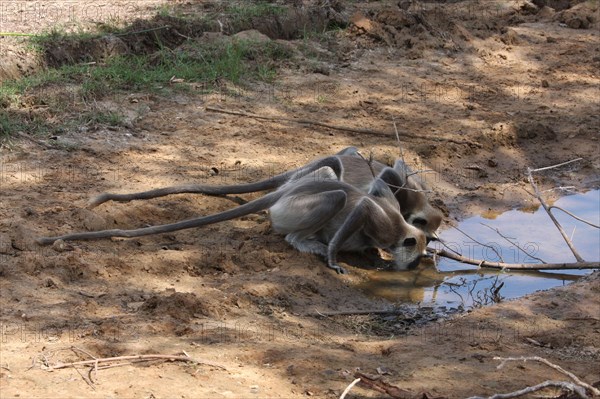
x: 556, y: 367
x: 87, y: 380
x: 546, y: 384
x: 439, y: 239
x: 538, y: 195
x: 384, y: 387
x: 521, y: 266
x: 556, y: 166
x: 95, y: 362
x: 401, y: 153
x: 342, y: 128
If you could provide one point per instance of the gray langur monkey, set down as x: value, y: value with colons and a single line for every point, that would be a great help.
x: 318, y: 214
x: 348, y: 167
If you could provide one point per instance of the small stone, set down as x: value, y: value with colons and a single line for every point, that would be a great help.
x: 545, y: 83
x: 61, y: 246
x: 252, y: 35
x: 529, y: 8
x: 546, y: 12
x: 51, y: 284
x: 361, y: 22
x: 510, y: 37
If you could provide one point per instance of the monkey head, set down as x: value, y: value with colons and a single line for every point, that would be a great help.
x: 410, y: 248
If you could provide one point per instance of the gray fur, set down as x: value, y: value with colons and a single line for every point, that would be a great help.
x: 318, y: 214
x: 347, y: 165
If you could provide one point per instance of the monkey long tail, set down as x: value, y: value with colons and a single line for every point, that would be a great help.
x: 263, y: 185
x: 268, y: 184
x: 251, y: 207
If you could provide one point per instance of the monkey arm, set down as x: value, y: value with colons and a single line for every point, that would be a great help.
x: 353, y: 223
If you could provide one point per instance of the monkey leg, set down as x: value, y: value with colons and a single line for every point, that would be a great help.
x: 308, y: 244
x: 317, y: 175
x: 301, y: 216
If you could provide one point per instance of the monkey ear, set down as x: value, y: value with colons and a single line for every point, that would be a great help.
x: 392, y: 178
x: 380, y: 189
x: 402, y: 168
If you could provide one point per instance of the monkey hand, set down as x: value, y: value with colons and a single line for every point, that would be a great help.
x: 337, y: 268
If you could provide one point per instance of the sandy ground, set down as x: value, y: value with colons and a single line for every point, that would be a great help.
x: 521, y: 86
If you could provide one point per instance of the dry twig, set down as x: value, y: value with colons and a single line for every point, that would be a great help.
x: 349, y: 387
x: 538, y: 195
x: 482, y: 244
x: 556, y: 367
x: 523, y: 266
x: 559, y: 384
x: 136, y: 358
x: 401, y: 152
x: 384, y: 387
x: 513, y: 243
x: 368, y: 161
x: 574, y: 216
x: 555, y: 166
x: 88, y: 379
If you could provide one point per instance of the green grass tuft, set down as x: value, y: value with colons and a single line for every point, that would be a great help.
x: 60, y: 89
x: 14, y: 122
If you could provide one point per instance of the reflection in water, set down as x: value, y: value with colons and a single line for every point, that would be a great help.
x: 454, y: 284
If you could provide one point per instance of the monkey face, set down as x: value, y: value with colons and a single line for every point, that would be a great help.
x: 410, y: 249
x: 428, y: 220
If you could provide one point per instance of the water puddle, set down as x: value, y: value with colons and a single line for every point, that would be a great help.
x: 454, y: 285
